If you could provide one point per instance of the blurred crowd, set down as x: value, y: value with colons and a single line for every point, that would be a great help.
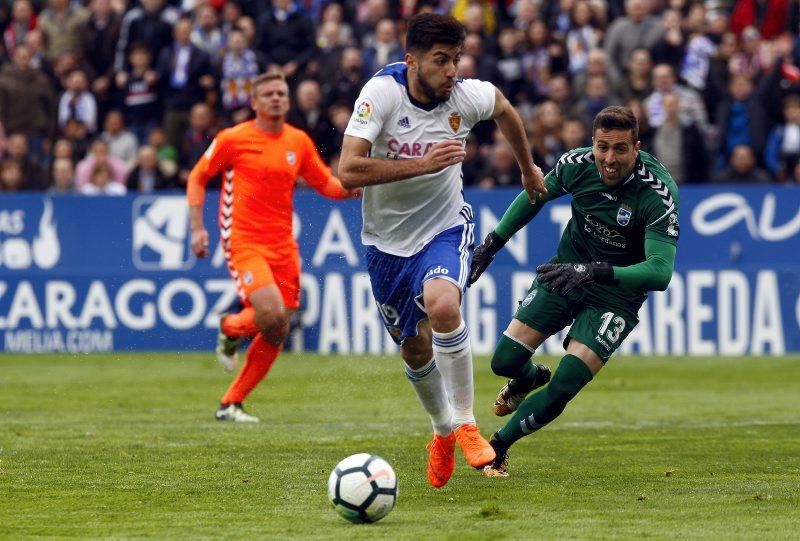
x: 116, y: 96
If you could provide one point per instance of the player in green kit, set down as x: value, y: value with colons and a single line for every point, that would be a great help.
x: 619, y: 244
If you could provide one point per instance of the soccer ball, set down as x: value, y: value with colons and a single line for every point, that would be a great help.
x: 363, y: 488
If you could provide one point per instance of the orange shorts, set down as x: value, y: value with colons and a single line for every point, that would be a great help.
x: 251, y: 270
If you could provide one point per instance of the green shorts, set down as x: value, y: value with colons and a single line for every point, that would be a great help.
x: 599, y: 325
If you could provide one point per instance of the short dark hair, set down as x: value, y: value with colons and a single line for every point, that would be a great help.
x: 428, y: 29
x: 616, y: 117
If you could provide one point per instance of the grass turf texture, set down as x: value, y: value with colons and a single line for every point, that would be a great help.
x: 126, y: 446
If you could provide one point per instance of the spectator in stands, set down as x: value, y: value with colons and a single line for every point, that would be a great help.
x: 150, y: 24
x: 768, y: 16
x: 240, y: 66
x: 582, y: 36
x: 742, y: 168
x: 63, y: 175
x: 76, y: 133
x: 597, y: 64
x: 510, y: 79
x: 102, y: 182
x: 692, y: 107
x: 669, y: 48
x: 147, y: 176
x: 597, y: 97
x: 346, y: 84
x: 34, y: 176
x: 486, y: 62
x: 543, y: 58
x: 782, y: 151
x: 184, y: 76
x: 166, y: 153
x: 84, y: 170
x: 385, y: 48
x: 23, y: 20
x: 78, y: 102
x: 10, y: 176
x: 286, y: 38
x: 559, y: 90
x: 368, y: 14
x: 206, y: 34
x: 328, y: 54
x: 198, y: 136
x: 122, y: 143
x: 545, y: 135
x: 231, y: 13
x: 34, y: 42
x: 62, y: 25
x: 100, y: 39
x: 636, y: 29
x: 138, y: 93
x: 308, y: 114
x: 645, y: 129
x: 27, y: 104
x: 573, y: 134
x: 501, y: 169
x: 333, y: 20
x: 679, y: 145
x: 472, y: 166
x: 741, y: 119
x: 637, y: 82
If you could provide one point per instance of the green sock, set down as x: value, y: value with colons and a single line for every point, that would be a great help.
x: 542, y: 407
x: 513, y: 360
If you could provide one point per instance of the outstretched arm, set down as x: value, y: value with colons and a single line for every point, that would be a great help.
x: 652, y: 274
x: 519, y: 213
x: 357, y: 168
x: 510, y: 124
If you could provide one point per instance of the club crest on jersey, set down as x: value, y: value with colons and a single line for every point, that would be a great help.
x: 291, y: 157
x: 248, y: 278
x: 624, y: 215
x: 455, y: 121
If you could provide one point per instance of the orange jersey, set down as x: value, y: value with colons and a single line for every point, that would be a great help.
x: 259, y: 171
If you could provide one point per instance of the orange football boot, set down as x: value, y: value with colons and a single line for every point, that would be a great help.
x: 477, y: 450
x: 441, y: 459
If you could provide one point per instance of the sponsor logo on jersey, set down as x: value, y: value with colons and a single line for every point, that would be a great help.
x: 404, y: 123
x: 609, y: 196
x: 291, y: 157
x: 624, y: 215
x: 363, y: 112
x: 602, y: 232
x: 455, y: 121
x: 413, y: 149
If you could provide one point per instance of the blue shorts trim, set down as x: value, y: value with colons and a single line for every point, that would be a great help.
x: 397, y: 281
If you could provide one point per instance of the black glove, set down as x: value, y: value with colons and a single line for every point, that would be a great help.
x: 564, y: 277
x: 484, y: 255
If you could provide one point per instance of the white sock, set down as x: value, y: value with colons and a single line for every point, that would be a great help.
x: 453, y: 354
x: 429, y: 386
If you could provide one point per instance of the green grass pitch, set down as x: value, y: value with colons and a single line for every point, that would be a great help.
x: 125, y: 445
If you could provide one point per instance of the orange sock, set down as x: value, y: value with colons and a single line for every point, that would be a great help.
x: 242, y: 324
x: 260, y: 357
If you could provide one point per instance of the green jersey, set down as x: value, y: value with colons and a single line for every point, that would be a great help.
x: 610, y: 224
x: 616, y: 225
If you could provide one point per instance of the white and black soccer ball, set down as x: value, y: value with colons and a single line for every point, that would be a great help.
x: 363, y: 488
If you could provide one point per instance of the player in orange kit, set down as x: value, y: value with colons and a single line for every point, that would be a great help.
x: 260, y: 161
